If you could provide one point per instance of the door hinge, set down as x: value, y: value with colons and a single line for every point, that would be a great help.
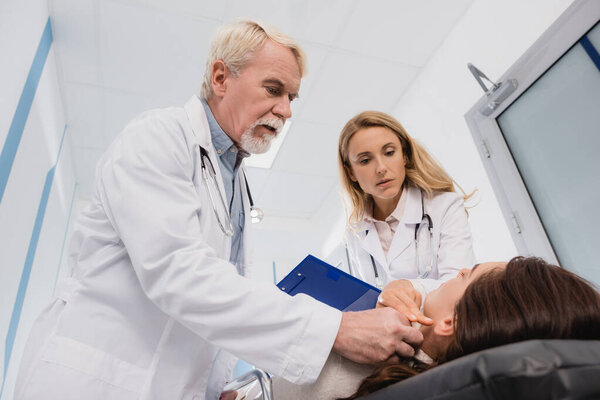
x: 515, y: 221
x: 486, y: 151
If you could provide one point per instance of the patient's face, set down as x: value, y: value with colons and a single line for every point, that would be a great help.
x: 440, y: 302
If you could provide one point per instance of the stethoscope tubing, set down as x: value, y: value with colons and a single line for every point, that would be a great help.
x: 424, y: 215
x: 226, y: 225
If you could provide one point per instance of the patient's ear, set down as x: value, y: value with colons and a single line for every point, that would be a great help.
x: 444, y: 326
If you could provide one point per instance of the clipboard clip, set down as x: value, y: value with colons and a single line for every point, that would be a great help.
x: 292, y: 283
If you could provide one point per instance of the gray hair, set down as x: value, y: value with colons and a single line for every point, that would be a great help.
x: 236, y: 43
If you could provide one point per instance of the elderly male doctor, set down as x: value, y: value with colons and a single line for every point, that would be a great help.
x: 158, y: 304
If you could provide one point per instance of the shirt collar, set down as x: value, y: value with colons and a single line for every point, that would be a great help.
x: 420, y: 355
x: 398, y: 212
x: 423, y: 357
x: 400, y: 207
x: 221, y: 142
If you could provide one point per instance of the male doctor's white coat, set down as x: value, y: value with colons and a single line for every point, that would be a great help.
x: 152, y: 310
x: 449, y: 250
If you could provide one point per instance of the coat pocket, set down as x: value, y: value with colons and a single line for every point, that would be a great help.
x: 72, y: 368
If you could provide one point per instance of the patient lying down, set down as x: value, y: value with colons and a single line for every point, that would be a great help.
x: 491, y: 305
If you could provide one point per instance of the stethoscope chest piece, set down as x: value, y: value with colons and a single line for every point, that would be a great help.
x: 256, y: 215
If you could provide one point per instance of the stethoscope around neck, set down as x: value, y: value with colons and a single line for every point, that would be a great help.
x: 427, y: 269
x: 216, y: 196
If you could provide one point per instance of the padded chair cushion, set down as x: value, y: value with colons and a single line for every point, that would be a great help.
x: 534, y: 369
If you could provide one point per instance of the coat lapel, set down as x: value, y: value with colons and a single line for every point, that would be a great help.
x: 199, y: 124
x: 371, y: 244
x: 405, y: 233
x: 247, y: 239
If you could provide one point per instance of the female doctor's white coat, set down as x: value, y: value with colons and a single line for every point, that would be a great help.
x: 449, y: 250
x: 152, y: 309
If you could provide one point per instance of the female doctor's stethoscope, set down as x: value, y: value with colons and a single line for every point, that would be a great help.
x: 216, y: 197
x: 424, y: 274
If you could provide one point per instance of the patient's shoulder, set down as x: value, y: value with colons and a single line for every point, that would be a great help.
x: 339, y: 377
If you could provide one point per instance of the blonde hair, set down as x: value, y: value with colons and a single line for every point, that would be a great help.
x: 236, y: 43
x: 421, y: 168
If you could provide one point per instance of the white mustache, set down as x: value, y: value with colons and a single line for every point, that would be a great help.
x: 274, y: 123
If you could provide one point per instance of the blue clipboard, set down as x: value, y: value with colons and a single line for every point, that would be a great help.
x: 329, y: 285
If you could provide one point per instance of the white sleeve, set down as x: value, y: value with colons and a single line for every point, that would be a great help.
x: 147, y: 190
x: 455, y: 249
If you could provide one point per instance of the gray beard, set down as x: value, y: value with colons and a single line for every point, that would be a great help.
x: 254, y: 144
x: 258, y: 145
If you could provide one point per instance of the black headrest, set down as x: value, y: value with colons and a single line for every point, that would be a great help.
x: 535, y: 369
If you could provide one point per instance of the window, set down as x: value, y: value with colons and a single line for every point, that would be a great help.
x: 541, y: 146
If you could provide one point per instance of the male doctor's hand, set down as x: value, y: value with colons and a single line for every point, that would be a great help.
x: 374, y: 336
x: 402, y: 296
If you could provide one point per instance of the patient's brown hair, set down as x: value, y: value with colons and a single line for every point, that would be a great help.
x: 529, y: 299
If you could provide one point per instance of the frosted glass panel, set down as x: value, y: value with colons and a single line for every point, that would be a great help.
x: 553, y: 132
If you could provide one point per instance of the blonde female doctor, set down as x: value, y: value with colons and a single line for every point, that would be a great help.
x: 408, y: 229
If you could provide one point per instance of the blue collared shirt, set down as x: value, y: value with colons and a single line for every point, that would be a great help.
x: 230, y: 159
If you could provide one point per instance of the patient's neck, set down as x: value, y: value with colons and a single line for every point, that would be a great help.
x: 433, y: 345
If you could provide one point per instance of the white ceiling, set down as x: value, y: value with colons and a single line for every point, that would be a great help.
x: 117, y: 58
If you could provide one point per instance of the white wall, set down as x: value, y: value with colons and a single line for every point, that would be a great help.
x: 36, y: 204
x: 319, y: 235
x: 491, y: 35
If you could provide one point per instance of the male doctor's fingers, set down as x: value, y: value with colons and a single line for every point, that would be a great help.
x: 402, y: 296
x: 373, y: 336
